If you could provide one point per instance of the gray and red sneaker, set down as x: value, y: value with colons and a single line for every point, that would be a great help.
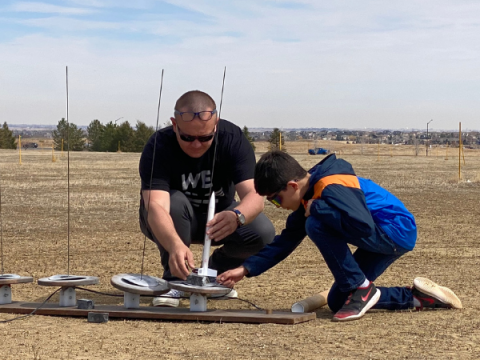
x: 433, y: 296
x: 358, y: 303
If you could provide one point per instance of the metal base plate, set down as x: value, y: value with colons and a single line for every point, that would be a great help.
x: 140, y: 284
x: 211, y: 288
x: 68, y: 280
x: 9, y: 279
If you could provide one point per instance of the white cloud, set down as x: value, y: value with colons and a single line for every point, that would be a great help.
x: 39, y: 7
x: 318, y: 65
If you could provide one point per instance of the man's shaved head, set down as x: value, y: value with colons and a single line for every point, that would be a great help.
x: 194, y: 100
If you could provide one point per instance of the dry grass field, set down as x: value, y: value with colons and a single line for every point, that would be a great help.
x: 105, y: 240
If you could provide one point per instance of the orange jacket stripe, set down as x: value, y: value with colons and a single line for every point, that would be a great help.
x: 350, y: 181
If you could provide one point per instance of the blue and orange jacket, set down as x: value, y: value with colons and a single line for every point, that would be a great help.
x: 347, y: 204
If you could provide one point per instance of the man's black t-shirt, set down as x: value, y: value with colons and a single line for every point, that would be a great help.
x: 175, y: 170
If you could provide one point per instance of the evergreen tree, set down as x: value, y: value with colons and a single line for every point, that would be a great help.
x: 249, y: 138
x: 274, y: 141
x: 108, y: 138
x: 142, y: 134
x: 94, y: 133
x: 75, y: 136
x: 125, y: 137
x: 7, y: 140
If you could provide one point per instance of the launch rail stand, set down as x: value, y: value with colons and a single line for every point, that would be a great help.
x: 202, y: 283
x: 68, y: 282
x: 6, y: 282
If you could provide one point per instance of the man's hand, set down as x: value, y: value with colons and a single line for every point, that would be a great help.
x: 307, y: 210
x: 223, y: 224
x: 180, y: 256
x: 230, y: 277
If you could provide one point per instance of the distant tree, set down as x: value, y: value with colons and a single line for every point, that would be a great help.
x: 142, y: 134
x: 125, y: 137
x: 7, y: 140
x: 249, y: 138
x: 75, y: 136
x: 94, y: 133
x: 108, y: 138
x: 275, y: 141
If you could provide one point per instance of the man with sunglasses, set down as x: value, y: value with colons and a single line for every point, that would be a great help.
x: 174, y: 201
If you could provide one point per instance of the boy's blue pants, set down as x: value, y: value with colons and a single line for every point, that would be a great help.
x: 372, y: 257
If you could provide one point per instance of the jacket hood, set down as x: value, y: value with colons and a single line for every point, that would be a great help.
x: 330, y: 165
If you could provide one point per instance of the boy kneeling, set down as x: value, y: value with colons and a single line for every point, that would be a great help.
x: 335, y: 208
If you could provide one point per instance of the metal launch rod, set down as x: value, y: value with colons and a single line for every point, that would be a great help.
x: 151, y: 173
x: 204, y: 270
x: 68, y: 179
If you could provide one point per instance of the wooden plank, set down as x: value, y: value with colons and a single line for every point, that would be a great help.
x: 159, y: 313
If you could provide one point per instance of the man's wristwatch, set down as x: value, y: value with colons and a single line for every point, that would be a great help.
x: 240, y: 217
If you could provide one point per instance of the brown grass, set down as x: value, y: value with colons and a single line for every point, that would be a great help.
x: 105, y: 240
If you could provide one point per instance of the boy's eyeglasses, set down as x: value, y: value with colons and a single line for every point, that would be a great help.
x: 191, y: 138
x: 275, y: 200
x: 189, y: 116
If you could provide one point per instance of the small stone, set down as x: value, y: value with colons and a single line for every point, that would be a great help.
x: 97, y: 317
x: 85, y: 304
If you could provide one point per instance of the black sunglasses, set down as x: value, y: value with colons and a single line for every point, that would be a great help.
x: 191, y: 138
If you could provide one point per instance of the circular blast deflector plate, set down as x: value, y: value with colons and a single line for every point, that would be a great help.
x: 140, y: 284
x: 8, y: 279
x: 68, y: 280
x: 209, y: 289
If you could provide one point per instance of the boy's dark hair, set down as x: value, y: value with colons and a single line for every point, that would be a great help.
x: 274, y: 170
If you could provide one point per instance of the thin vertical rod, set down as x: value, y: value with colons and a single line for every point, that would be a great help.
x: 459, y: 150
x: 68, y: 179
x: 216, y: 132
x: 1, y: 226
x: 211, y: 203
x: 151, y: 173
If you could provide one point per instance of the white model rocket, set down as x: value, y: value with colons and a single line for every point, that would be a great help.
x: 204, y: 270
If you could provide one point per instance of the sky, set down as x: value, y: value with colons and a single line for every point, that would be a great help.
x: 290, y: 64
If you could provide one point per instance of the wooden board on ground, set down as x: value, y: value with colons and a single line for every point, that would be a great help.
x: 159, y: 313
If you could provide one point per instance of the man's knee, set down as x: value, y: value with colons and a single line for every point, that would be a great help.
x: 264, y: 230
x: 267, y: 230
x: 180, y: 206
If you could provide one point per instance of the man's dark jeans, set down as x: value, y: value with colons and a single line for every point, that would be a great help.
x: 247, y: 240
x: 372, y: 257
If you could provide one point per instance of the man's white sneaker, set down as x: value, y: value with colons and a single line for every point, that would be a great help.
x: 231, y: 295
x: 171, y: 299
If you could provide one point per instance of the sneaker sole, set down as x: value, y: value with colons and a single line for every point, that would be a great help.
x: 231, y: 295
x: 367, y: 307
x: 440, y: 293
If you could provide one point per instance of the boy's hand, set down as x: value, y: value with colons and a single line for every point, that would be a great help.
x: 230, y: 277
x: 307, y: 210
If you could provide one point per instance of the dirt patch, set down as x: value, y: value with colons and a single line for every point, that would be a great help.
x: 105, y: 240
